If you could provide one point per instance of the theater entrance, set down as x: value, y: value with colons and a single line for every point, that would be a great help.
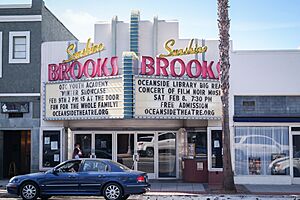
x: 149, y: 151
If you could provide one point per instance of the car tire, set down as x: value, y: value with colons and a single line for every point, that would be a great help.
x: 125, y: 197
x: 150, y: 152
x: 113, y: 191
x: 29, y: 191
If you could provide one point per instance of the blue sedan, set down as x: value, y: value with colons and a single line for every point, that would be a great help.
x: 81, y: 177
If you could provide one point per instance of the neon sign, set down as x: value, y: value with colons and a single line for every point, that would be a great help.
x: 89, y: 49
x: 180, y: 52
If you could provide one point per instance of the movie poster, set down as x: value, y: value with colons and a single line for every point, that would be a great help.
x: 254, y: 166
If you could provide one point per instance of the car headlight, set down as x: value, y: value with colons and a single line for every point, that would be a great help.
x: 14, y: 180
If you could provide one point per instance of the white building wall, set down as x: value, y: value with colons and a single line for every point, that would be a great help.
x: 274, y: 72
x: 166, y: 30
x: 146, y: 38
x: 123, y: 40
x: 263, y: 73
x: 103, y: 35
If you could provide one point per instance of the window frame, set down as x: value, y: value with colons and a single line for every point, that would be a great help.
x: 1, y: 54
x: 106, y: 166
x: 209, y: 149
x: 12, y: 35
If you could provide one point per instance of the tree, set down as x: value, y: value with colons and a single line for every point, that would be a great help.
x: 224, y: 25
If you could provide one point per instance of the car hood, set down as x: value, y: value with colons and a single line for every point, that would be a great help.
x: 278, y: 160
x: 32, y: 175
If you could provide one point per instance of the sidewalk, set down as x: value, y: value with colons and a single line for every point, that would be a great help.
x: 198, y: 188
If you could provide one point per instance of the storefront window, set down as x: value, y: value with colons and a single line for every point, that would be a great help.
x: 197, y: 144
x: 216, y: 149
x: 261, y: 151
x: 51, y: 148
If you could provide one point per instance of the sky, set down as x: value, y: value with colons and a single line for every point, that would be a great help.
x: 255, y: 24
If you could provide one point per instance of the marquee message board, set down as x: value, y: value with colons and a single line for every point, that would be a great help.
x: 86, y: 99
x: 177, y: 98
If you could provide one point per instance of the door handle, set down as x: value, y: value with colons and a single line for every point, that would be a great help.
x: 70, y: 176
x: 101, y: 176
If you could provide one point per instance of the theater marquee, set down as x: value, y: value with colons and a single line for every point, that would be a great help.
x: 100, y: 98
x: 177, y: 98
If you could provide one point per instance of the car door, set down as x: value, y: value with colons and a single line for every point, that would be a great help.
x: 92, y: 175
x: 63, y: 179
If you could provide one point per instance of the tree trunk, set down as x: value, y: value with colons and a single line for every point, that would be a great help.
x: 224, y: 24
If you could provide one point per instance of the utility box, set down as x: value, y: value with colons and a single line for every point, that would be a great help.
x: 195, y: 170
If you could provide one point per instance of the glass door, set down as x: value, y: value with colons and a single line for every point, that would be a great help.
x: 296, y: 157
x: 103, y: 146
x: 125, y: 149
x: 85, y: 144
x: 167, y: 154
x: 146, y: 154
x: 96, y: 145
x: 137, y: 151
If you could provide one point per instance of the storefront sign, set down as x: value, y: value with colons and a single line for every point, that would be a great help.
x: 88, y: 50
x: 177, y: 98
x: 76, y: 70
x: 178, y: 68
x: 190, y: 49
x: 15, y: 107
x: 90, y: 68
x: 86, y: 99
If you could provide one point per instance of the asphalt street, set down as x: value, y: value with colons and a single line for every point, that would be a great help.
x: 174, y: 196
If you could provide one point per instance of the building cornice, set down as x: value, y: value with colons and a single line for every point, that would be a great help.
x: 20, y: 94
x: 20, y: 18
x: 7, y: 6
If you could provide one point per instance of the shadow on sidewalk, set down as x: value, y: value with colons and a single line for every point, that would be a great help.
x: 218, y: 189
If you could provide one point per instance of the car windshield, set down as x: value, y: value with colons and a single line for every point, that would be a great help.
x: 123, y: 167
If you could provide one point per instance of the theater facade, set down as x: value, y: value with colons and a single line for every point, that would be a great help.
x: 142, y: 96
x: 138, y: 95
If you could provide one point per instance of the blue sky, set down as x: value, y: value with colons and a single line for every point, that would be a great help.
x: 255, y: 24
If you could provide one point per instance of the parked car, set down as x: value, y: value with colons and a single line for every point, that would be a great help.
x: 83, y: 177
x: 282, y: 165
x: 145, y: 146
x: 166, y: 143
x: 258, y: 145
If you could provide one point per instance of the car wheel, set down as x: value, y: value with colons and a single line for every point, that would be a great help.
x: 125, y: 197
x: 29, y: 191
x: 113, y: 192
x: 150, y: 152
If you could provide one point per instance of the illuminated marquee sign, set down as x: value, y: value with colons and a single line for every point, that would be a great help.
x: 177, y: 67
x: 89, y: 49
x: 86, y: 99
x: 180, y: 52
x: 191, y: 91
x: 74, y: 69
x: 177, y: 98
